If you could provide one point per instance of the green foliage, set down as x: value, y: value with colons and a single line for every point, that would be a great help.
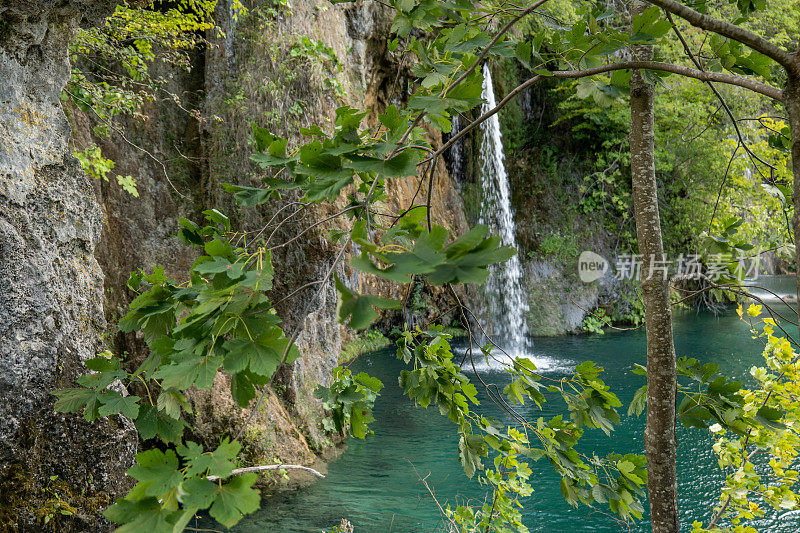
x: 358, y: 309
x: 172, y: 487
x: 56, y: 505
x: 465, y: 260
x: 318, y: 51
x: 593, y: 121
x: 763, y: 418
x: 437, y: 380
x: 282, y: 80
x: 96, y: 166
x: 368, y: 341
x: 634, y: 314
x: 222, y: 320
x: 595, y: 322
x: 350, y: 400
x: 630, y: 311
x: 111, y: 74
x: 561, y: 247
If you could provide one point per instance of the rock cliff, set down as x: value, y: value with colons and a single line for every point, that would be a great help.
x: 68, y: 244
x: 265, y: 69
x: 51, y: 314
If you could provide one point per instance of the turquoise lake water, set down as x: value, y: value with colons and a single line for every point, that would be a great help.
x: 373, y: 484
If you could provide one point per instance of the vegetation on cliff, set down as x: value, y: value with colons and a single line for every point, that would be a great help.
x: 647, y: 177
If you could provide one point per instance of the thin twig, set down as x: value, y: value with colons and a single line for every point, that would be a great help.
x: 314, y: 225
x: 293, y: 338
x: 432, y: 494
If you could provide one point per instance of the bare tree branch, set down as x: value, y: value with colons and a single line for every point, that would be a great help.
x: 262, y: 468
x: 717, y: 94
x: 740, y: 81
x: 730, y: 79
x: 732, y: 31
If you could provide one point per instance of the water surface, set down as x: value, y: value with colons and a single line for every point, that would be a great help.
x: 374, y: 484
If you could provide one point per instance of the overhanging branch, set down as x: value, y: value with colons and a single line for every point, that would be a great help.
x: 731, y: 79
x: 732, y: 31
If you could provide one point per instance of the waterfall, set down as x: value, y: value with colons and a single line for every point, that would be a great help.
x: 506, y: 302
x: 455, y: 155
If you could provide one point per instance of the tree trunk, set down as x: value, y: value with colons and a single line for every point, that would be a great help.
x: 659, y: 435
x: 791, y: 100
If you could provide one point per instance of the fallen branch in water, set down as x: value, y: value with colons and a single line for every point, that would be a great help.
x: 261, y: 468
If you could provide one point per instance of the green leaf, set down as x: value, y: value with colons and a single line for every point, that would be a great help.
x: 73, y: 400
x: 183, y: 519
x: 220, y: 248
x: 172, y: 401
x: 348, y: 118
x: 262, y: 137
x: 316, y: 162
x: 360, y: 416
x: 639, y: 401
x: 216, y: 217
x: 242, y: 389
x: 523, y: 53
x: 198, y: 492
x: 141, y: 515
x: 625, y: 467
x: 402, y: 165
x: 157, y: 471
x: 235, y: 499
x: 370, y: 382
x: 471, y: 448
x: 198, y: 371
x: 770, y: 417
x: 179, y: 376
x: 220, y: 462
x: 219, y: 265
x: 328, y: 188
x: 248, y: 196
x: 258, y: 355
x: 359, y: 307
x: 151, y: 423
x: 114, y: 403
x: 393, y: 122
x: 467, y: 242
x: 102, y: 364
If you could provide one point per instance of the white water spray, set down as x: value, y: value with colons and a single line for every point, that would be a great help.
x: 506, y: 301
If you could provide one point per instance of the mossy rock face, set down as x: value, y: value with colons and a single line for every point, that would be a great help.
x: 66, y: 472
x: 56, y: 472
x: 557, y: 302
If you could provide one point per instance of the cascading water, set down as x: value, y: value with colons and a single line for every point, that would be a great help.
x: 455, y: 155
x: 506, y: 303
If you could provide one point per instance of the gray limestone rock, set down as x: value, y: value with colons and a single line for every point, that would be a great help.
x: 50, y: 284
